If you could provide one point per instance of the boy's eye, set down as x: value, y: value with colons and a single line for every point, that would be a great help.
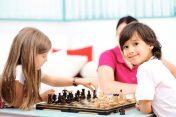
x: 125, y: 47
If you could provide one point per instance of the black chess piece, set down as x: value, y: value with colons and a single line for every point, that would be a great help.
x: 88, y: 95
x: 63, y: 99
x: 78, y: 93
x: 68, y: 100
x: 64, y: 93
x: 122, y: 111
x: 94, y: 94
x: 76, y: 98
x: 71, y: 96
x: 54, y: 97
x: 59, y: 98
x: 50, y: 99
x: 83, y: 94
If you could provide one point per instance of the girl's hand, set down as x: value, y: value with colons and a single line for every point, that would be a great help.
x: 91, y: 83
x: 44, y: 95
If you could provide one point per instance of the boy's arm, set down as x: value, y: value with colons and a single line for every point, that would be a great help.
x: 145, y: 106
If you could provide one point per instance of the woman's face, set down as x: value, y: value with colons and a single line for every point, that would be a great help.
x: 119, y: 29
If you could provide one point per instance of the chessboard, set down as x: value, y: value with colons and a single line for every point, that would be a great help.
x: 80, y: 102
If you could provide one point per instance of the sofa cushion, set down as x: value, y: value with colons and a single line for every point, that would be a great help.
x: 60, y: 64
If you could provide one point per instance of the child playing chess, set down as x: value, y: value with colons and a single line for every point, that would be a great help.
x: 22, y: 73
x: 156, y: 88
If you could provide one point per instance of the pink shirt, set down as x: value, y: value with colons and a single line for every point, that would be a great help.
x: 115, y: 60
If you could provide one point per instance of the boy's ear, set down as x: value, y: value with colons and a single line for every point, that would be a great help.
x: 151, y: 47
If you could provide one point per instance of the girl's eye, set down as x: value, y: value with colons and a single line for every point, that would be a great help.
x: 136, y: 43
x: 44, y: 56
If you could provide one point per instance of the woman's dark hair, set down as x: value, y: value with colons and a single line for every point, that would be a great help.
x: 126, y: 19
x: 146, y: 34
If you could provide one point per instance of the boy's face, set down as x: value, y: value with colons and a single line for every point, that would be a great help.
x: 40, y: 60
x: 136, y: 50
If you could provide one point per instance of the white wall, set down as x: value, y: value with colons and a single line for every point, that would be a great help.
x: 100, y: 34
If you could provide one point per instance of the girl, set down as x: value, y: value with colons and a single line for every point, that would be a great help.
x: 22, y: 74
x: 156, y: 89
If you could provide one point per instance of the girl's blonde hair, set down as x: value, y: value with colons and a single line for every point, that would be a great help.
x: 26, y: 45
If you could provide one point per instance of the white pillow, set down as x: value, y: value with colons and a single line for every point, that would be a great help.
x: 89, y: 70
x: 60, y: 64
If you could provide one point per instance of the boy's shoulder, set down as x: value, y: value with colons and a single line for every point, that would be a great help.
x: 152, y: 63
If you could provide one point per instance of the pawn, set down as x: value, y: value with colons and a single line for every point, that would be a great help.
x: 88, y: 95
x: 63, y: 100
x: 122, y: 111
x: 64, y: 93
x: 50, y: 99
x: 76, y: 98
x: 59, y: 98
x: 83, y: 94
x: 94, y: 94
x: 54, y: 97
x: 78, y: 93
x: 121, y: 96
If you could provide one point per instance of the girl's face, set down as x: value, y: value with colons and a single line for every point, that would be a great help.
x: 136, y: 50
x: 40, y: 60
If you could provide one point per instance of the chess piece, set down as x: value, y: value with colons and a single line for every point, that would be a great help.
x: 78, y: 93
x: 122, y: 111
x: 76, y: 97
x: 115, y: 98
x: 88, y: 95
x: 54, y: 98
x: 64, y: 93
x: 71, y: 96
x: 59, y: 98
x: 83, y: 94
x: 50, y: 99
x: 94, y: 94
x: 63, y: 99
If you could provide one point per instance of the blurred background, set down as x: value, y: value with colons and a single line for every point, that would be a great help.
x: 78, y: 24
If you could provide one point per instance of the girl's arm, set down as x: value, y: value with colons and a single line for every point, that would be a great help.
x: 170, y: 66
x: 19, y: 94
x: 145, y: 106
x: 91, y: 83
x: 108, y: 85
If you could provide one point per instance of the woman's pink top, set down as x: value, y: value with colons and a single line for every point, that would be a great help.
x: 114, y: 59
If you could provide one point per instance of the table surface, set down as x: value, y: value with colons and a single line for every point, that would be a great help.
x: 9, y: 112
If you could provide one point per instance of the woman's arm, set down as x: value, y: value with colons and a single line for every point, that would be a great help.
x: 108, y: 85
x: 91, y: 83
x: 170, y: 66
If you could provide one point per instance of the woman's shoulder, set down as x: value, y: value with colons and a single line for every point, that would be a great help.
x: 109, y: 51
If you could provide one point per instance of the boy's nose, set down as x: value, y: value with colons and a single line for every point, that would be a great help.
x: 131, y: 49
